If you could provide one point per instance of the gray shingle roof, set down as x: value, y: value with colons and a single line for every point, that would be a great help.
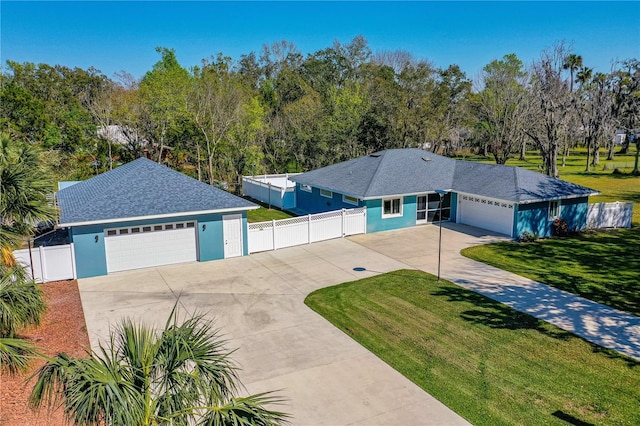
x: 414, y: 171
x: 141, y: 188
x: 390, y: 172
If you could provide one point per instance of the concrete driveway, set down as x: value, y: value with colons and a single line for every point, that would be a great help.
x: 329, y: 379
x: 257, y: 302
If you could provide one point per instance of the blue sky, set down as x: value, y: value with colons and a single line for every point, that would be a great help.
x: 115, y: 36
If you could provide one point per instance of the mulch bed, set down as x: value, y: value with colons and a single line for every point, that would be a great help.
x: 62, y: 330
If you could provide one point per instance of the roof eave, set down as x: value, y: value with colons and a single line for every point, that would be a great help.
x: 408, y: 194
x: 157, y: 216
x: 566, y: 197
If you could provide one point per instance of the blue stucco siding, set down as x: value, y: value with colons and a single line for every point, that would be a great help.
x: 534, y: 217
x: 376, y: 223
x: 454, y: 207
x: 312, y: 202
x: 90, y: 255
x: 289, y: 200
x: 211, y: 239
x: 574, y: 212
x: 89, y: 252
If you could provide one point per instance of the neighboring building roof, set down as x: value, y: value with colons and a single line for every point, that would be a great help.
x: 142, y: 189
x: 121, y: 135
x: 413, y: 171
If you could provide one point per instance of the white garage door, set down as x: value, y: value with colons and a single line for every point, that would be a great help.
x: 150, y: 245
x: 486, y: 213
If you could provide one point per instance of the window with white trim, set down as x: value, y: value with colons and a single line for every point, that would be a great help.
x: 391, y: 207
x: 326, y: 193
x: 554, y: 209
x: 305, y: 188
x: 350, y: 200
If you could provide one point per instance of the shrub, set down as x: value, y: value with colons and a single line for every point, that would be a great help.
x: 559, y: 228
x: 528, y: 237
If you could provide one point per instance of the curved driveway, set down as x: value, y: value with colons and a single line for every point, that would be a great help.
x: 258, y: 303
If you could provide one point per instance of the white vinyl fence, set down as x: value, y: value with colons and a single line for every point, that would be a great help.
x: 306, y: 229
x: 275, y: 190
x: 45, y: 264
x: 610, y: 215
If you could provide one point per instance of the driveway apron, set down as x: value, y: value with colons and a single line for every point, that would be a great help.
x: 258, y: 304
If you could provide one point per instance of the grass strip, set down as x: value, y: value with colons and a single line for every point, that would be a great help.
x: 487, y: 362
x: 602, y: 266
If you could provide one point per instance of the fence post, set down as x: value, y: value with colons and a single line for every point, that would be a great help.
x: 73, y: 261
x: 273, y: 229
x: 43, y: 263
x: 364, y: 216
x: 33, y: 274
x: 342, y: 224
x: 308, y: 229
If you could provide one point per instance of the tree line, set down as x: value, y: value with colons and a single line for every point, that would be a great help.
x: 280, y: 111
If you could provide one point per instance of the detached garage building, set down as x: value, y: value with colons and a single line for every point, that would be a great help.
x: 400, y: 188
x: 143, y: 214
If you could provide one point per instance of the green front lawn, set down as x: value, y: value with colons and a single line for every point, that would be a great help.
x: 487, y: 362
x: 264, y: 214
x: 601, y: 266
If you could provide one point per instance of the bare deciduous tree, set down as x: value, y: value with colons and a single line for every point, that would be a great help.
x: 549, y: 122
x: 593, y: 105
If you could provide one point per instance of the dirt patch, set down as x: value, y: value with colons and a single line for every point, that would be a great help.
x: 62, y: 330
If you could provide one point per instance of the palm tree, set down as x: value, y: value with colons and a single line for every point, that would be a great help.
x: 24, y: 192
x: 21, y: 305
x: 24, y: 188
x: 572, y: 62
x: 180, y: 375
x: 584, y: 75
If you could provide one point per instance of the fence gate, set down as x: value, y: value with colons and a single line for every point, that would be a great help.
x: 306, y: 229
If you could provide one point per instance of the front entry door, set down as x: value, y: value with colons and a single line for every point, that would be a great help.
x: 232, y: 234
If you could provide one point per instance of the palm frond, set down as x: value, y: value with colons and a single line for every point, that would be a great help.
x: 21, y: 301
x: 15, y: 354
x: 177, y: 376
x: 249, y: 411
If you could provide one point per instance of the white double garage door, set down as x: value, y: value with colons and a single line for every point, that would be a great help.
x: 146, y: 246
x: 486, y: 213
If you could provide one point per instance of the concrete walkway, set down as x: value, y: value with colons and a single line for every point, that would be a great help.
x: 592, y: 321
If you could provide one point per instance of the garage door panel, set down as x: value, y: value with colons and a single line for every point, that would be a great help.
x: 488, y: 214
x: 143, y: 250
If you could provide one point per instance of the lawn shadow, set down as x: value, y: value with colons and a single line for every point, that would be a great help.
x: 570, y: 419
x: 497, y: 315
x: 561, y: 308
x: 609, y: 175
x: 611, y: 354
x: 631, y: 196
